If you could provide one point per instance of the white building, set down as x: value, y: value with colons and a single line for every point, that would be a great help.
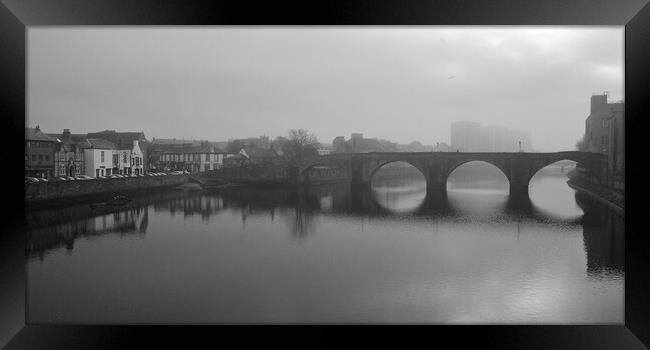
x: 98, y: 157
x: 137, y: 164
x: 102, y: 158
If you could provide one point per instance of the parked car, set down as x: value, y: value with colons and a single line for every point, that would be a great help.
x: 84, y: 177
x: 31, y: 179
x: 186, y: 172
x: 101, y: 177
x: 43, y: 179
x: 176, y: 173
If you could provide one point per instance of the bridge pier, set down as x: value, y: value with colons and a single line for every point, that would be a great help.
x: 519, y: 201
x: 436, y: 187
x: 518, y: 190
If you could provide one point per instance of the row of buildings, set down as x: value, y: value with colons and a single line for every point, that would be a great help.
x: 94, y: 154
x: 110, y: 152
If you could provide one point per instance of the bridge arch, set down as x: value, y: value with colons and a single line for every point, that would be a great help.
x: 592, y: 167
x: 400, y: 193
x: 498, y: 165
x: 537, y: 169
x: 378, y: 166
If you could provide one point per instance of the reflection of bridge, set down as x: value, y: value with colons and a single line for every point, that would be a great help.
x: 62, y: 226
x: 518, y: 168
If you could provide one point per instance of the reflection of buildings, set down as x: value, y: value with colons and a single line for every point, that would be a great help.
x: 604, y: 238
x: 469, y: 136
x: 202, y: 205
x: 129, y: 221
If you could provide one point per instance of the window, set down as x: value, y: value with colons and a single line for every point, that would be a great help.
x: 124, y: 157
x: 40, y: 157
x: 47, y: 157
x: 33, y: 157
x: 102, y: 155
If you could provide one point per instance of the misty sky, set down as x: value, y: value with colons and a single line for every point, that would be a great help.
x: 396, y: 83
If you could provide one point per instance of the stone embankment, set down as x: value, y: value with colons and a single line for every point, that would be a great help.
x: 611, y: 197
x: 60, y: 190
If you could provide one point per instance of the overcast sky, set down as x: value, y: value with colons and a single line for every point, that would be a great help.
x: 396, y: 83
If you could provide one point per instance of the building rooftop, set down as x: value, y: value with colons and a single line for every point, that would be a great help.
x: 97, y: 144
x: 122, y: 140
x: 35, y: 134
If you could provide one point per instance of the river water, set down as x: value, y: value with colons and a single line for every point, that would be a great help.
x: 331, y: 254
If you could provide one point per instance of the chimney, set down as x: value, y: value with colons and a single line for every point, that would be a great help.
x: 135, y: 143
x: 66, y: 135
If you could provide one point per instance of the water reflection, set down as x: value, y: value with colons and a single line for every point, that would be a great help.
x: 121, y: 222
x: 394, y: 252
x: 53, y: 228
x: 399, y: 188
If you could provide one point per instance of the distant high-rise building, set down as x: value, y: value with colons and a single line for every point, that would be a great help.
x: 465, y: 136
x: 469, y: 136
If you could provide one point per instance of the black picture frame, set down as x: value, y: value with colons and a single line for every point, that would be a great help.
x: 18, y: 15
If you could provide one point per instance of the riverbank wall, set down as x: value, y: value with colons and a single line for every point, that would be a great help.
x: 38, y: 192
x: 266, y: 174
x: 614, y: 198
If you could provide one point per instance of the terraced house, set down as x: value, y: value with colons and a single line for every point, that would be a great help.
x: 195, y: 158
x: 133, y: 141
x: 39, y: 153
x: 68, y: 155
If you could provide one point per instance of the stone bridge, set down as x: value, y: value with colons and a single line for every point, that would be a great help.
x: 518, y: 167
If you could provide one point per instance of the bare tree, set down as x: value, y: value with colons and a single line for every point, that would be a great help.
x: 300, y: 144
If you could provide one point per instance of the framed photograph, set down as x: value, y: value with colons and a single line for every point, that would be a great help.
x: 456, y: 166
